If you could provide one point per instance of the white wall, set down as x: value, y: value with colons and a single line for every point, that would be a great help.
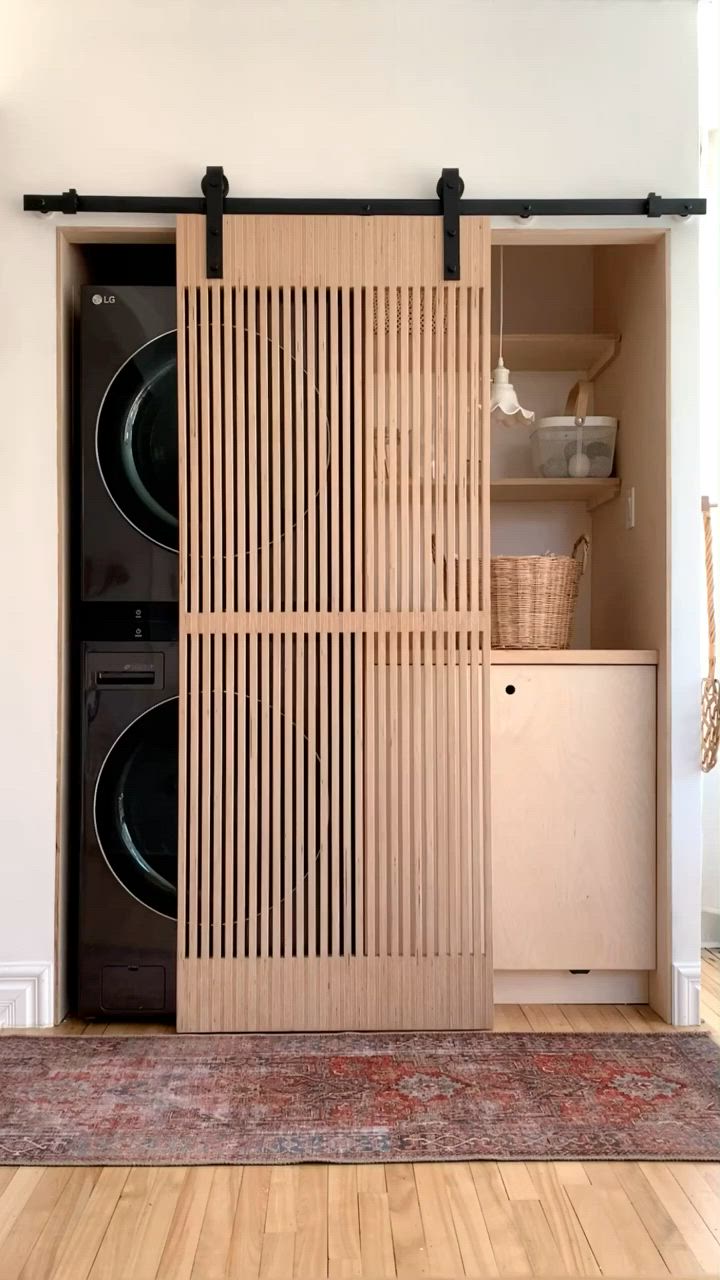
x: 365, y: 97
x: 710, y: 405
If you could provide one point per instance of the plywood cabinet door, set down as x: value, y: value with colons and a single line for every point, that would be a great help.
x: 573, y: 803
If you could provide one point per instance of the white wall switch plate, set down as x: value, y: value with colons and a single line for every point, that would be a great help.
x: 630, y: 509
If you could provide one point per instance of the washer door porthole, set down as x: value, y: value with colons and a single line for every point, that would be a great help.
x: 137, y: 440
x: 136, y: 808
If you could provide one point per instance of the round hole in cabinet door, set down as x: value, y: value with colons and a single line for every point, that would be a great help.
x: 509, y: 688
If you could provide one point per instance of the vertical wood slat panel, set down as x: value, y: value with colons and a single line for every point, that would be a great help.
x: 370, y: 653
x: 276, y: 698
x: 324, y: 692
x: 265, y: 572
x: 475, y: 595
x: 253, y: 642
x: 218, y: 570
x: 484, y: 896
x: 403, y: 487
x: 466, y: 779
x: 302, y: 849
x: 334, y: 642
x: 417, y: 938
x: 354, y: 471
x: 393, y: 897
x: 314, y: 500
x: 438, y: 746
x: 359, y: 526
x: 228, y: 851
x: 185, y: 759
x: 290, y: 726
x: 348, y: 732
x: 383, y: 603
x: 451, y: 639
x: 428, y: 642
x: 206, y: 531
x: 241, y: 841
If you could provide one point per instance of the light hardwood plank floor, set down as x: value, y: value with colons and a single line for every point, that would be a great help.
x: 394, y: 1221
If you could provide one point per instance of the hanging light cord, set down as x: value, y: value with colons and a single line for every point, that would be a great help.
x: 502, y: 299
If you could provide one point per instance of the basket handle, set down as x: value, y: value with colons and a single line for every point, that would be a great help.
x: 709, y: 582
x: 582, y: 544
x: 578, y: 401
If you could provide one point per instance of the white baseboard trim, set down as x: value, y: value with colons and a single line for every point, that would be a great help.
x: 25, y: 994
x: 561, y: 987
x: 686, y: 995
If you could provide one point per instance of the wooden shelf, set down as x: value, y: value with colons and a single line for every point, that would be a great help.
x: 588, y: 353
x: 576, y: 657
x: 534, y: 489
x: 547, y: 657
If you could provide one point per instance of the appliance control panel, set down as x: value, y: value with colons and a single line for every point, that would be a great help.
x: 124, y: 670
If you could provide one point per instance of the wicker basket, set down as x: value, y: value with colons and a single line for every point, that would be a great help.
x: 534, y: 597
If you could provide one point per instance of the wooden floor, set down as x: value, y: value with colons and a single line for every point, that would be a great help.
x: 442, y: 1220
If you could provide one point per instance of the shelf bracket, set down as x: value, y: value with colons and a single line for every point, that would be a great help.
x: 450, y: 189
x: 215, y: 187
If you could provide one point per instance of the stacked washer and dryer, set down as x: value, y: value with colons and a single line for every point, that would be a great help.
x: 127, y: 609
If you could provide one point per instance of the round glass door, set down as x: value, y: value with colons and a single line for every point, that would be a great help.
x: 136, y: 802
x: 137, y: 440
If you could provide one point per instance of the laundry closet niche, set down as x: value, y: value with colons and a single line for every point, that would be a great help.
x: 579, y: 784
x: 108, y: 961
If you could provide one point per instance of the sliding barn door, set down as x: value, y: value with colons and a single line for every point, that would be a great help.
x: 334, y: 817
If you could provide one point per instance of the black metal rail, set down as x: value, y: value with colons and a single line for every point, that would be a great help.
x: 449, y: 205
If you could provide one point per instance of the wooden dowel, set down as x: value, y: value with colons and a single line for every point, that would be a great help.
x: 266, y: 854
x: 394, y: 888
x: 369, y: 441
x: 314, y: 500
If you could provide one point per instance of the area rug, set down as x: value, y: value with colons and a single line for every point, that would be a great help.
x: 261, y: 1099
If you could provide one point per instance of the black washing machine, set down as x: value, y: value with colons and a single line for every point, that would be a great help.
x: 128, y: 444
x: 127, y: 904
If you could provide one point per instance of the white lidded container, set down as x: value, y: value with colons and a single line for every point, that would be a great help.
x: 574, y: 444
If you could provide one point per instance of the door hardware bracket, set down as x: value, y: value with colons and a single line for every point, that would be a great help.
x: 654, y: 205
x: 215, y: 187
x: 70, y: 201
x: 450, y: 189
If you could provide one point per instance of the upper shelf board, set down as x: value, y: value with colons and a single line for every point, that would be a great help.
x: 587, y: 353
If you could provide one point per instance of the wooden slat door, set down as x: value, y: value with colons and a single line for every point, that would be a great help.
x: 334, y: 468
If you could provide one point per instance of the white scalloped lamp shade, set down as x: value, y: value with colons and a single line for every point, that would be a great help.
x: 504, y: 404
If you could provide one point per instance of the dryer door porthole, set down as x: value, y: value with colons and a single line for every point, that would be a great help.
x: 136, y: 807
x: 137, y: 440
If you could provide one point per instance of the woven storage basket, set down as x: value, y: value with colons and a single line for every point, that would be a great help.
x: 534, y: 597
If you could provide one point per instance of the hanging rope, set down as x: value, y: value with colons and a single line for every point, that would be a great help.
x: 710, y: 719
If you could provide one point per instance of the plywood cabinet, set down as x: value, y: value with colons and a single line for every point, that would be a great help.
x: 574, y: 816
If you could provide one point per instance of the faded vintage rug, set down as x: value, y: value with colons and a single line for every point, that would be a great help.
x: 261, y: 1099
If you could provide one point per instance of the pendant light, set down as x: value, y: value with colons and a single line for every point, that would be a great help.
x: 504, y: 404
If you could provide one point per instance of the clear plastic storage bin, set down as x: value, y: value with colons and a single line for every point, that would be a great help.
x: 564, y: 447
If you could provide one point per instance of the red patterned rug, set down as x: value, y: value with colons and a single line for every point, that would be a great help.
x: 358, y: 1098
